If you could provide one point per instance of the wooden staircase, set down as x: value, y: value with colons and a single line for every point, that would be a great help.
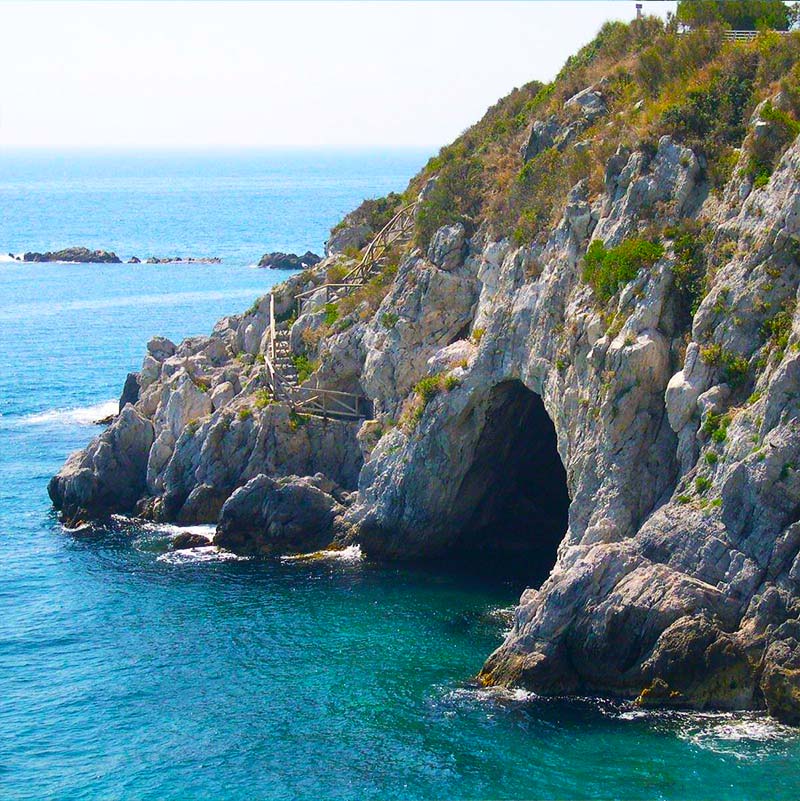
x: 279, y: 367
x: 376, y: 256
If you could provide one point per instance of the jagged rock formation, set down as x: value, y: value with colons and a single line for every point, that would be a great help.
x: 591, y: 361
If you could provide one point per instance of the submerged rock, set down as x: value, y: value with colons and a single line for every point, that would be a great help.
x: 189, y: 539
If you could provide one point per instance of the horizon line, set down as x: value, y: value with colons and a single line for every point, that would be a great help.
x: 215, y: 148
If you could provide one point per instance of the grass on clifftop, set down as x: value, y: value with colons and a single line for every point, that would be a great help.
x: 696, y: 87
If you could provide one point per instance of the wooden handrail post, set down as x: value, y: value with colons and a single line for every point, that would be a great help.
x: 272, y: 326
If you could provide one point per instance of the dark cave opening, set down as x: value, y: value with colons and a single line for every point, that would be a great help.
x: 514, y: 499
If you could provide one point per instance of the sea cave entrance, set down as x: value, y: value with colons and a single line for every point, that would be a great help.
x: 514, y: 498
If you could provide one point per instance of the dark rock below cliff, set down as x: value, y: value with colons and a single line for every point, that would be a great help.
x: 280, y: 516
x: 289, y: 261
x: 82, y: 255
x: 189, y: 539
x: 130, y: 392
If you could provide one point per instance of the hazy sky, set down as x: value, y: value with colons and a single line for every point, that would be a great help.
x: 186, y: 74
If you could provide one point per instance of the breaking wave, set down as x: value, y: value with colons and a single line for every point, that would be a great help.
x: 204, y: 553
x: 82, y: 415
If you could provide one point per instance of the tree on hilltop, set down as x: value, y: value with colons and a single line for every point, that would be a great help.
x: 739, y: 15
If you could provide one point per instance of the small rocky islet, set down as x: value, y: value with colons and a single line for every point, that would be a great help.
x: 78, y: 255
x: 289, y: 261
x: 587, y: 355
x: 81, y: 255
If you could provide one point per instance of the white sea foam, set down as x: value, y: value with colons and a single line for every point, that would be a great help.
x: 76, y: 529
x: 205, y: 553
x: 504, y: 616
x: 172, y: 531
x: 351, y: 554
x: 739, y: 734
x: 5, y: 257
x: 82, y: 415
x: 732, y: 733
x: 490, y: 695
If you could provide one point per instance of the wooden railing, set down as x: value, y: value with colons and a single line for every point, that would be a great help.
x: 398, y: 228
x: 747, y: 36
x: 317, y: 401
x: 735, y: 36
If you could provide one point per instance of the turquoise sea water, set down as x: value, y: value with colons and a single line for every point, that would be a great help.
x: 127, y: 673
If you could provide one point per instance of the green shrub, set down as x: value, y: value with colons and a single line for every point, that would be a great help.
x: 711, y: 458
x: 778, y: 329
x: 297, y: 420
x: 451, y: 382
x: 425, y: 391
x: 716, y: 427
x: 712, y: 117
x: 702, y: 484
x: 607, y: 270
x: 245, y: 413
x: 454, y: 197
x: 766, y: 151
x: 389, y: 319
x: 735, y: 368
x: 428, y: 388
x: 336, y: 273
x: 739, y: 15
x: 477, y: 335
x: 689, y: 271
x: 375, y: 212
x: 304, y: 366
x: 262, y: 398
x: 254, y: 308
x: 331, y: 314
x: 539, y: 188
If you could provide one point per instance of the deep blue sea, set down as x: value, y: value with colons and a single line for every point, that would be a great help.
x: 128, y: 673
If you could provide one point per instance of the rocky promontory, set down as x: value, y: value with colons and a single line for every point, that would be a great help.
x: 586, y: 359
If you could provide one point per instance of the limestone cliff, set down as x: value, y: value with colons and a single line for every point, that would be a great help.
x: 589, y: 357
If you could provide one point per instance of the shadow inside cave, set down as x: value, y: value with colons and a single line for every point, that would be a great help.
x: 514, y: 499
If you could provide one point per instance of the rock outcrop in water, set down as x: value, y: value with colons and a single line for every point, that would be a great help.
x: 289, y: 261
x: 79, y: 255
x: 590, y: 358
x: 176, y: 260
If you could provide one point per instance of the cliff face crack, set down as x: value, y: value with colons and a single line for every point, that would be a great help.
x: 514, y: 497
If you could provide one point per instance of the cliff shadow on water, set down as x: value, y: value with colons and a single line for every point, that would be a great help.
x: 514, y: 495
